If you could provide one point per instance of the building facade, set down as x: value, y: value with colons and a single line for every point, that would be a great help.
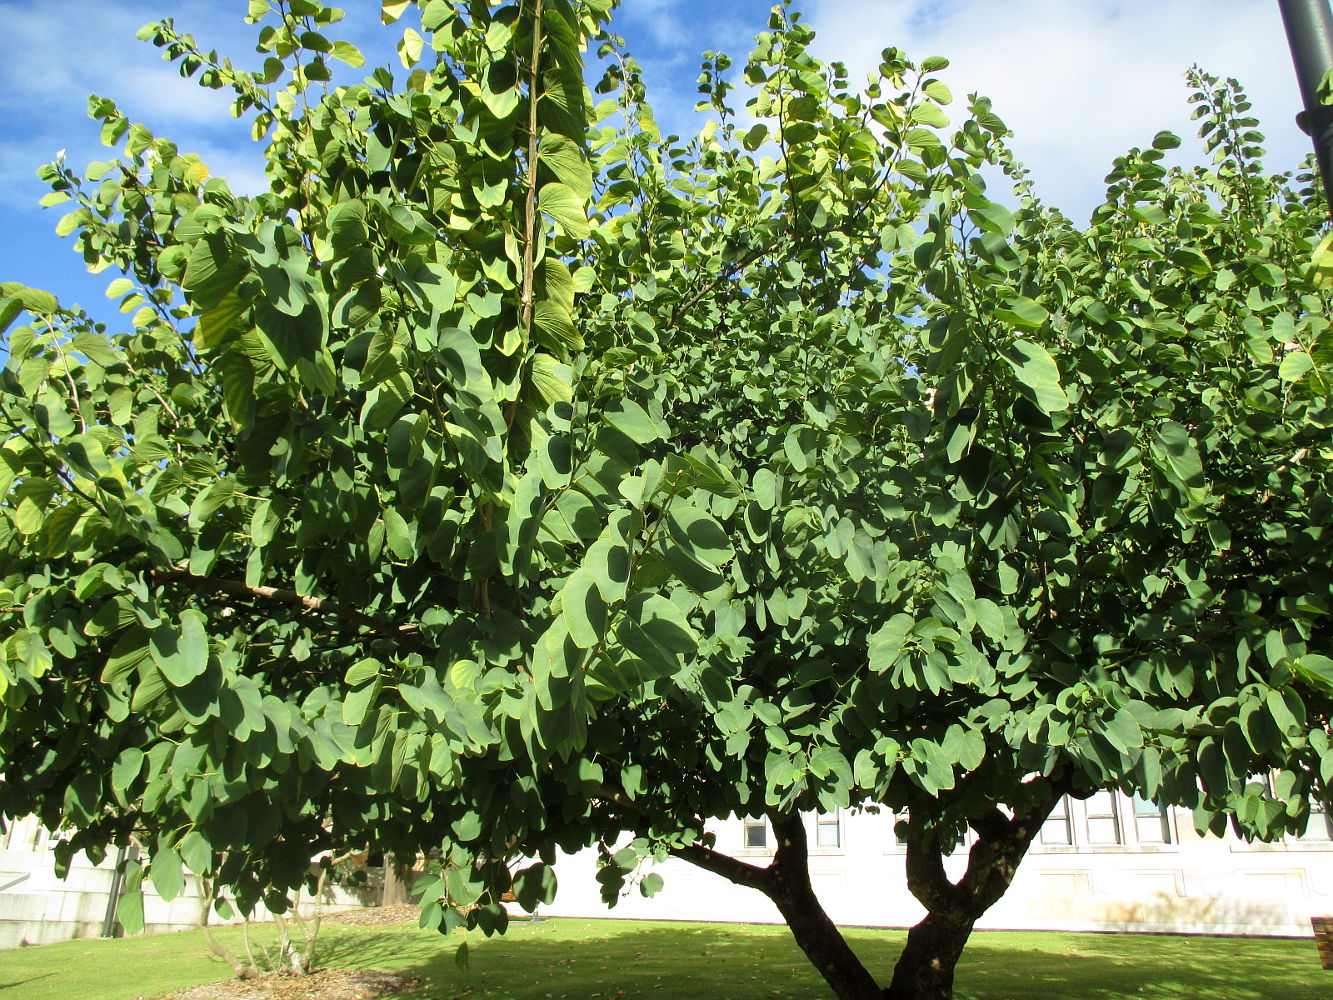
x: 38, y: 907
x: 1107, y: 863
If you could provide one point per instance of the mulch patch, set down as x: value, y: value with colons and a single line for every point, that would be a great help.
x: 327, y: 984
x: 375, y: 916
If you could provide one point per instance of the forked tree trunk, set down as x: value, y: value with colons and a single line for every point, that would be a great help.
x: 925, y: 969
x: 789, y: 888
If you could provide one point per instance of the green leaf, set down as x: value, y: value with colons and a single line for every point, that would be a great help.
x: 348, y: 53
x: 699, y: 535
x: 33, y: 300
x: 361, y: 671
x: 585, y: 611
x: 357, y: 704
x: 130, y: 650
x: 166, y: 873
x: 1295, y: 366
x: 997, y: 219
x: 764, y: 488
x: 554, y: 327
x: 565, y: 207
x: 1024, y: 313
x: 534, y: 885
x: 1174, y: 443
x: 194, y: 642
x: 1316, y: 670
x: 126, y: 769
x: 129, y: 910
x: 1037, y: 372
x: 564, y: 158
x: 650, y: 885
x: 755, y: 137
x: 465, y: 888
x: 633, y: 421
x: 937, y: 91
x: 410, y: 48
x: 181, y: 655
x: 552, y: 380
x: 655, y: 630
x: 9, y: 310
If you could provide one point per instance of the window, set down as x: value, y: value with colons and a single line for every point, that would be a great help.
x: 1104, y: 819
x: 755, y: 835
x: 900, y: 834
x: 900, y: 828
x: 1152, y: 823
x: 828, y: 830
x: 1319, y: 827
x: 1058, y: 830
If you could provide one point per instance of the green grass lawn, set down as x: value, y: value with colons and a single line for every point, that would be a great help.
x: 566, y: 959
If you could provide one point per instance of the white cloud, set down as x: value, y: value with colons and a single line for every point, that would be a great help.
x: 659, y: 19
x: 59, y: 51
x: 1079, y: 83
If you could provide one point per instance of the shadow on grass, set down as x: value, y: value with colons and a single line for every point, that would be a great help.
x: 20, y: 982
x: 574, y: 959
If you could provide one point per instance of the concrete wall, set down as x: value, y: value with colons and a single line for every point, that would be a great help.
x: 44, y: 908
x: 1160, y: 876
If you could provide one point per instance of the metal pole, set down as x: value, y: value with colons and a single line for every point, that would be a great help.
x: 1309, y: 25
x: 113, y: 897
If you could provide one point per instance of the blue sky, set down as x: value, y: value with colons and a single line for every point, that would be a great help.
x: 1077, y: 81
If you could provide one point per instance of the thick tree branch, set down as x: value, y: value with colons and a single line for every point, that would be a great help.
x: 926, y: 877
x: 530, y: 199
x: 320, y: 605
x: 740, y: 872
x: 814, y: 931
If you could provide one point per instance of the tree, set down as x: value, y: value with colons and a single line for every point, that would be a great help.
x: 510, y: 478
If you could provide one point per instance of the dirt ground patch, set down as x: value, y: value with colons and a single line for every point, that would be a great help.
x: 327, y: 984
x: 375, y: 916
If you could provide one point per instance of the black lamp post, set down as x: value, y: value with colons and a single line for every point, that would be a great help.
x: 1309, y: 25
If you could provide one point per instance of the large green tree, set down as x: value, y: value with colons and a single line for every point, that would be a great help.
x: 510, y: 477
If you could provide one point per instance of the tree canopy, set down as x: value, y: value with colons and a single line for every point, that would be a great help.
x: 512, y: 477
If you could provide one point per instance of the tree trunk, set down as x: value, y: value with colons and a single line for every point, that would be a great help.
x: 925, y: 968
x: 395, y: 887
x: 787, y: 883
x: 817, y: 935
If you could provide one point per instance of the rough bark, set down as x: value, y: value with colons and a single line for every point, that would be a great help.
x: 925, y: 969
x: 786, y: 881
x: 817, y: 935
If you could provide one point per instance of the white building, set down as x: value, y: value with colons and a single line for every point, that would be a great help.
x: 1109, y: 863
x: 37, y: 907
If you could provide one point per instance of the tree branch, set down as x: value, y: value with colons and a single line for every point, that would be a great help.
x: 731, y: 869
x: 725, y: 274
x: 926, y: 877
x: 530, y: 200
x: 320, y: 605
